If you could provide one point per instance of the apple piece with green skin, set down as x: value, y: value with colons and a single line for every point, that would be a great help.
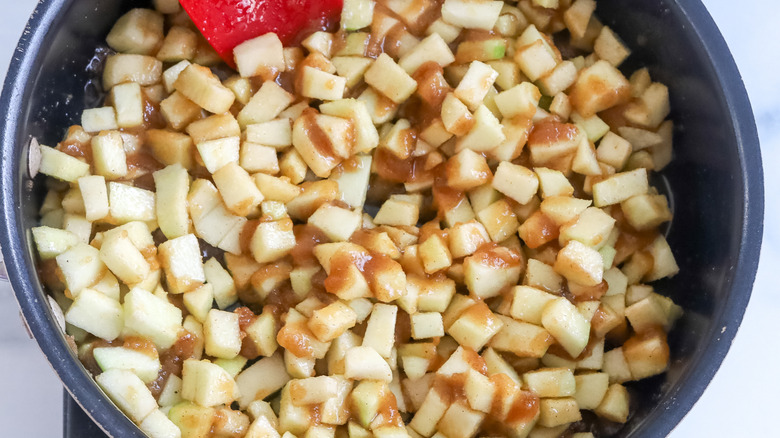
x: 146, y: 366
x: 129, y: 392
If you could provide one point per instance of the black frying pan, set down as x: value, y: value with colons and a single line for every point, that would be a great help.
x: 716, y: 184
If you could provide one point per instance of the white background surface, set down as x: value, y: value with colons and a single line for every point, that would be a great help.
x: 741, y: 401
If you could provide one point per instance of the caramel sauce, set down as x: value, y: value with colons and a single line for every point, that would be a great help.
x: 153, y: 118
x: 318, y: 137
x: 77, y: 150
x: 450, y: 388
x: 538, y: 230
x: 141, y: 163
x: 394, y: 169
x: 296, y: 338
x: 50, y: 274
x: 172, y: 361
x: 424, y: 11
x: 550, y: 131
x: 141, y: 345
x: 432, y: 88
x: 88, y: 359
x: 497, y: 257
x: 245, y: 237
x: 524, y: 409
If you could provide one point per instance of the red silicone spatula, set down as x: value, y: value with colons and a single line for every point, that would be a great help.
x: 228, y: 23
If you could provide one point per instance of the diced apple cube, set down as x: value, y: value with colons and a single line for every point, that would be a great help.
x: 558, y: 411
x: 553, y: 183
x: 551, y: 382
x: 380, y: 330
x: 51, y: 242
x: 460, y: 422
x: 516, y: 182
x: 365, y: 363
x: 81, y: 266
x: 466, y: 237
x: 339, y: 224
x: 433, y: 408
x: 357, y: 14
x: 129, y: 393
x: 152, y: 317
x: 173, y: 185
x: 238, y: 189
x: 475, y: 326
x: 207, y: 384
x: 276, y: 189
x: 434, y: 254
x: 528, y: 303
x: 427, y: 325
x: 201, y: 86
x: 96, y: 313
x: 592, y: 228
x: 109, y: 154
x: 390, y: 79
x: 647, y: 353
x: 467, y: 170
x: 222, y: 334
x: 567, y: 325
x: 522, y: 339
x: 179, y: 111
x: 128, y: 104
x: 471, y: 15
x: 563, y: 209
x: 520, y: 100
x: 127, y: 203
x: 535, y: 59
x: 431, y: 49
x: 272, y: 240
x: 220, y: 152
x: 170, y: 147
x: 275, y: 133
x: 143, y: 364
x: 614, y: 150
x: 475, y: 85
x: 119, y: 68
x: 199, y: 301
x: 580, y: 264
x: 61, y: 165
x: 615, y: 405
x: 158, y: 425
x: 619, y: 187
x: 609, y: 47
x: 260, y: 56
x: 265, y: 105
x: 322, y: 158
x: 123, y: 258
x: 139, y: 31
x: 490, y: 270
x: 652, y: 107
x: 578, y: 15
x: 318, y: 84
x: 261, y: 379
x: 455, y: 115
x: 599, y: 87
x: 182, y: 262
x: 484, y: 135
x: 499, y: 220
x: 397, y: 213
x: 332, y: 321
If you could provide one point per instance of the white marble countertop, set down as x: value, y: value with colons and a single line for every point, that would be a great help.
x: 742, y: 400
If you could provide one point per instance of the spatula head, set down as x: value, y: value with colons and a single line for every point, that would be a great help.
x: 228, y: 23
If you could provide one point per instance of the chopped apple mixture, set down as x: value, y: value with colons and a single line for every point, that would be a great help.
x: 432, y: 221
